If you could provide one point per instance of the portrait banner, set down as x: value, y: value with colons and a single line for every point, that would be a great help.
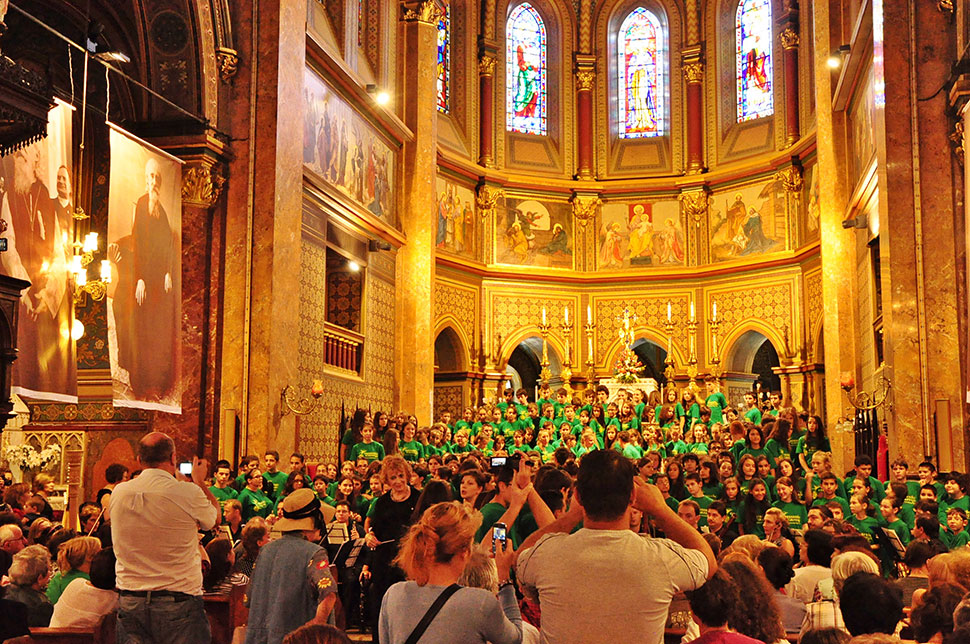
x: 145, y: 294
x: 36, y: 202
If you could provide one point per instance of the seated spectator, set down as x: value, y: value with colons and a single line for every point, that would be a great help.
x: 43, y: 487
x: 870, y: 604
x: 316, y: 634
x: 816, y: 554
x: 219, y: 579
x: 481, y: 572
x: 749, y: 545
x: 825, y: 636
x: 89, y: 517
x: 13, y: 617
x: 433, y: 555
x: 756, y: 614
x: 932, y: 618
x: 15, y: 497
x: 918, y: 553
x: 232, y: 518
x: 776, y: 564
x: 29, y: 574
x: 84, y: 602
x: 74, y: 562
x: 255, y: 535
x: 710, y: 606
x: 826, y: 613
x: 11, y: 539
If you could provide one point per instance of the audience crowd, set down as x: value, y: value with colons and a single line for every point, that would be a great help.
x: 591, y: 519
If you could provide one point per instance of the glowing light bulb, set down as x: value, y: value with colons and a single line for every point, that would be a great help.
x: 77, y: 330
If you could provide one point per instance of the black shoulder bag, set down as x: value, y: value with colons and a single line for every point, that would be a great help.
x: 431, y: 614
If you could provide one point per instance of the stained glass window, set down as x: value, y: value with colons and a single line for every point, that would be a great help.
x: 525, y: 77
x: 444, y: 59
x: 642, y: 62
x: 753, y: 44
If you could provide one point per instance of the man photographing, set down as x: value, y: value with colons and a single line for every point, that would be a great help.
x: 605, y: 555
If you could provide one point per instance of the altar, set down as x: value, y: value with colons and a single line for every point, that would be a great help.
x: 646, y: 385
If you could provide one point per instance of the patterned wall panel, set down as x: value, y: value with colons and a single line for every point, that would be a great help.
x: 770, y: 304
x: 511, y: 312
x: 649, y: 311
x: 448, y: 398
x: 319, y: 430
x: 458, y: 302
x: 813, y: 303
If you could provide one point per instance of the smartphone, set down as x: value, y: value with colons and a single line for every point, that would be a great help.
x: 498, y: 461
x: 185, y: 468
x: 499, y: 533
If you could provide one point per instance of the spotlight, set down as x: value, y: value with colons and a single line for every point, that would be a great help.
x: 113, y: 57
x: 375, y: 245
x: 838, y: 57
x: 77, y: 330
x: 354, y: 266
x: 860, y: 222
x: 383, y: 98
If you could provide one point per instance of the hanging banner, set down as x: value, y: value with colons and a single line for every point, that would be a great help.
x: 36, y: 202
x: 145, y: 295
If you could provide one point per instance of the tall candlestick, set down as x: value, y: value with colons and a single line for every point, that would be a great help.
x: 668, y: 310
x: 566, y: 314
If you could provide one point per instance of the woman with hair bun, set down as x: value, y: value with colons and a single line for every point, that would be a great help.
x: 433, y: 555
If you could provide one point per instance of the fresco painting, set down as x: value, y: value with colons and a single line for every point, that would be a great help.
x: 533, y: 233
x: 641, y: 234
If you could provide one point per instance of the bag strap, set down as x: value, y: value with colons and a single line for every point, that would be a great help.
x: 431, y: 614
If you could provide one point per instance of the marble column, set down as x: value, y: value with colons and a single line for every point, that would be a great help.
x: 694, y: 75
x: 838, y: 246
x: 585, y: 76
x: 414, y: 342
x: 486, y: 118
x: 789, y: 44
x: 917, y: 204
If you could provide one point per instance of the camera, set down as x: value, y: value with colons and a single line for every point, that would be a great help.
x: 185, y: 468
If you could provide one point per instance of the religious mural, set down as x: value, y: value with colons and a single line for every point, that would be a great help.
x: 863, y: 144
x: 456, y: 230
x: 640, y: 234
x: 811, y: 201
x: 747, y: 221
x: 346, y: 151
x: 534, y: 234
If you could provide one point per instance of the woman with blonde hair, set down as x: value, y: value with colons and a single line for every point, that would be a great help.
x: 431, y: 606
x: 43, y: 487
x: 775, y: 526
x: 73, y: 562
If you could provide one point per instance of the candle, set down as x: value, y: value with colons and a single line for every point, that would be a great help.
x: 589, y: 314
x: 714, y: 307
x: 847, y: 380
x: 590, y: 340
x: 566, y: 314
x: 82, y: 277
x: 105, y: 271
x: 668, y: 310
x: 317, y: 388
x: 692, y: 310
x: 90, y: 242
x: 543, y: 315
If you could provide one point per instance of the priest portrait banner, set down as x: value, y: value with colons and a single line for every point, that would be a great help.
x: 144, y: 297
x: 36, y: 202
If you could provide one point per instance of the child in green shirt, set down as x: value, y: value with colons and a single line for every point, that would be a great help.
x: 696, y: 491
x: 411, y: 449
x: 715, y: 400
x: 368, y: 448
x: 276, y: 478
x: 889, y: 508
x: 794, y: 511
x: 865, y: 524
x: 955, y: 536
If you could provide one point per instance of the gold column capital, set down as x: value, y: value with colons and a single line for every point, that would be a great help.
x: 486, y: 200
x: 694, y: 72
x: 584, y: 208
x: 424, y: 12
x: 486, y: 65
x: 789, y: 38
x: 695, y: 204
x: 791, y: 179
x: 228, y: 63
x: 585, y: 79
x: 201, y: 185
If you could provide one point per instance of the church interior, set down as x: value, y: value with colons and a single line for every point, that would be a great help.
x: 410, y: 206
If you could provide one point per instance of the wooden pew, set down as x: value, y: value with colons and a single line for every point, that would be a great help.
x: 102, y: 633
x: 225, y: 613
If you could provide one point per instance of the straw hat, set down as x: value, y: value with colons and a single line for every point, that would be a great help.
x: 299, y: 508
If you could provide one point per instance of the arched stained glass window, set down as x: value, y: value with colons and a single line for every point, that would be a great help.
x: 526, y: 92
x: 642, y: 48
x: 753, y: 54
x: 444, y: 59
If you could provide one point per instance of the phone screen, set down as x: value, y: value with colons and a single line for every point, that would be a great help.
x: 498, y: 534
x: 185, y: 468
x: 498, y: 461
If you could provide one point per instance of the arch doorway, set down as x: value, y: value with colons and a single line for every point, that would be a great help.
x: 653, y: 357
x: 525, y: 365
x: 449, y: 352
x: 755, y: 354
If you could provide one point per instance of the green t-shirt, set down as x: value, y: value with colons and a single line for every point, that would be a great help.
x: 57, y: 583
x: 796, y: 513
x: 372, y: 451
x: 254, y: 504
x: 713, y: 491
x: 774, y: 451
x: 951, y: 540
x: 946, y: 503
x: 631, y: 451
x: 753, y: 415
x: 902, y: 531
x: 411, y: 450
x: 716, y: 402
x: 223, y: 494
x: 676, y: 447
x: 839, y: 500
x: 867, y: 527
x: 704, y: 502
x: 802, y: 447
x: 278, y: 481
x: 697, y: 448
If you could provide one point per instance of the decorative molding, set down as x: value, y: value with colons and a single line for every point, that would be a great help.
x: 945, y: 7
x: 695, y: 205
x: 201, y: 185
x: 228, y: 63
x: 424, y: 12
x: 486, y: 65
x: 585, y: 79
x: 694, y: 72
x: 585, y: 26
x: 486, y: 200
x: 791, y: 179
x: 585, y: 208
x: 789, y: 38
x: 488, y: 20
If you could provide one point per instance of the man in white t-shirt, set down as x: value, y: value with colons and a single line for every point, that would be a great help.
x: 605, y: 583
x: 155, y: 521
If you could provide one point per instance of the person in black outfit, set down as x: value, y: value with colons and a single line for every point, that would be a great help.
x: 388, y: 521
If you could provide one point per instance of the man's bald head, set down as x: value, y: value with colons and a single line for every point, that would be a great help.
x: 11, y: 539
x: 156, y: 449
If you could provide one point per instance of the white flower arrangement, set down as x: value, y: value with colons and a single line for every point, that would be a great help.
x: 26, y: 458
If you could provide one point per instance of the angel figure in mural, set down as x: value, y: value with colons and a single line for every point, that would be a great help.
x: 526, y: 90
x: 755, y: 68
x: 641, y: 236
x: 559, y: 243
x: 517, y: 241
x: 671, y: 244
x: 610, y: 256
